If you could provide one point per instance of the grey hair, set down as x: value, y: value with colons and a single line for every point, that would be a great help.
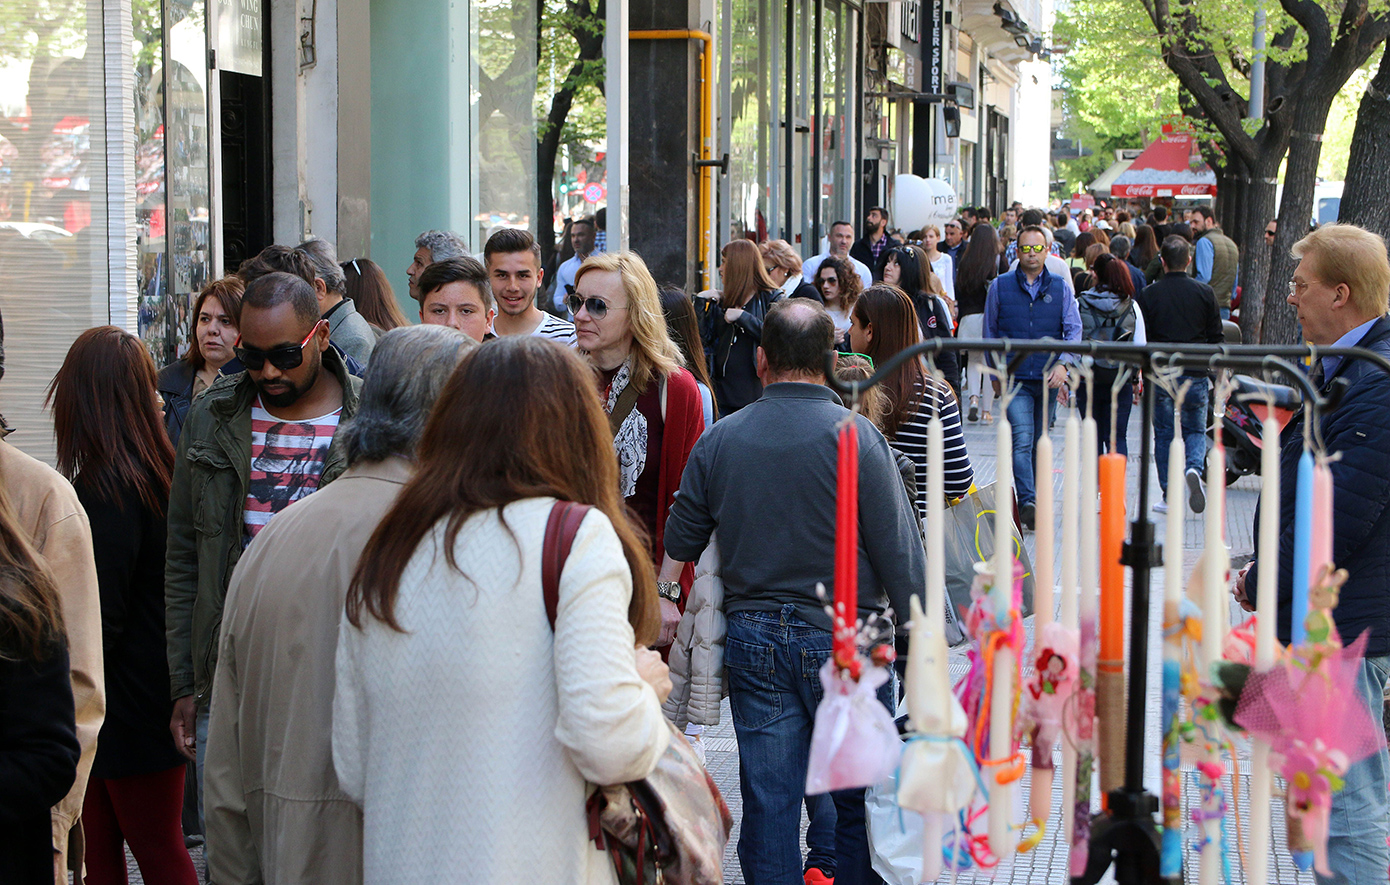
x: 410, y: 366
x: 1120, y: 246
x: 443, y: 245
x: 325, y: 260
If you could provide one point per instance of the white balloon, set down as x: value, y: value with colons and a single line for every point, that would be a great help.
x: 918, y: 202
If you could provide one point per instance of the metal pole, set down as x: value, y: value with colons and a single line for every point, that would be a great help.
x: 615, y: 76
x: 1257, y: 67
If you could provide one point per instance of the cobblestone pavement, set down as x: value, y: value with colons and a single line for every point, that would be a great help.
x: 1046, y: 863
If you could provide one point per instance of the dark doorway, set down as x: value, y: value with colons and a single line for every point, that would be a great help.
x: 246, y: 182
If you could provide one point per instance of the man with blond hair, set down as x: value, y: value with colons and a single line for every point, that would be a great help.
x: 1341, y: 290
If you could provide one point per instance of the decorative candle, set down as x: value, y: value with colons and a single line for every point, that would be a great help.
x: 1040, y: 787
x: 1215, y: 608
x: 1086, y: 680
x: 1320, y: 545
x: 1110, y: 676
x: 1266, y: 603
x: 1170, y: 858
x: 1001, y: 720
x: 936, y: 525
x: 1071, y: 469
x: 1302, y: 546
x: 847, y: 544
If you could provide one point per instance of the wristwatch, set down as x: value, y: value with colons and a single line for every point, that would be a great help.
x: 669, y: 590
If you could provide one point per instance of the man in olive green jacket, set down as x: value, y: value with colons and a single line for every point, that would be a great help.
x: 252, y: 444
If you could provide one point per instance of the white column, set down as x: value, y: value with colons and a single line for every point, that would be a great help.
x: 615, y: 45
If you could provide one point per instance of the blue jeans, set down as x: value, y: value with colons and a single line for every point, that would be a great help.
x: 1026, y: 416
x: 773, y: 662
x: 1194, y: 429
x: 1360, y: 820
x: 200, y: 736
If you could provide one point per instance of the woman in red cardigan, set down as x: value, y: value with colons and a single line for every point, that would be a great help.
x: 653, y: 403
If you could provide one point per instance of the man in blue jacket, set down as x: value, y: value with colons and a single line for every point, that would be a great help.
x: 1340, y: 291
x: 1027, y: 304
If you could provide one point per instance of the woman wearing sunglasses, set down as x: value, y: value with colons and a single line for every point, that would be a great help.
x: 653, y: 404
x: 731, y: 324
x: 885, y: 323
x: 907, y: 268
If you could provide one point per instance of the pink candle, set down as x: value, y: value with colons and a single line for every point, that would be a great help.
x: 1320, y: 547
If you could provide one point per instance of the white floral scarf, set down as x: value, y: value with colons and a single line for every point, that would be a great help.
x: 630, y: 442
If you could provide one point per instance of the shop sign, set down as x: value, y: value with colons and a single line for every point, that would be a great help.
x: 910, y: 20
x: 1159, y: 190
x: 239, y: 36
x: 936, y: 48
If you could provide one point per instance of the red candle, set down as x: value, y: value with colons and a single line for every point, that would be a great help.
x: 847, y: 544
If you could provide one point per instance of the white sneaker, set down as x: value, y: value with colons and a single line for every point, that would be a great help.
x: 1196, y: 491
x: 1160, y: 506
x: 698, y: 745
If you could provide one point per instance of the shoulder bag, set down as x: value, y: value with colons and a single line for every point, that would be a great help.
x: 671, y: 826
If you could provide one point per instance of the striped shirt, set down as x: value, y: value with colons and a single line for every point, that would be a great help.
x: 287, y: 459
x: 911, y: 440
x: 555, y: 329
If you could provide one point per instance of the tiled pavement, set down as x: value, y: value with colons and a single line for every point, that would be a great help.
x: 1047, y: 863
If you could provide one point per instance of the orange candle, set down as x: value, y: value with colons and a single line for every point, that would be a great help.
x: 1112, y: 573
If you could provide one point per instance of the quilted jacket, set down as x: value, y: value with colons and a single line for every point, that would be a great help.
x: 1359, y: 432
x: 697, y: 655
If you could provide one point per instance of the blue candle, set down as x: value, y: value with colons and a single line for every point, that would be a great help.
x: 1302, y: 545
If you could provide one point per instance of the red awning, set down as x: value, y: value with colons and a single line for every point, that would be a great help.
x: 1170, y: 167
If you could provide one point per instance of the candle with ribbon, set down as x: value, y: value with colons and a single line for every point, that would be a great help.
x: 847, y: 549
x: 1266, y: 611
x: 1320, y: 531
x: 1110, y: 675
x: 1085, y: 700
x: 1215, y: 607
x: 1071, y: 478
x: 1170, y: 857
x: 1302, y: 546
x: 1040, y: 788
x: 1001, y: 700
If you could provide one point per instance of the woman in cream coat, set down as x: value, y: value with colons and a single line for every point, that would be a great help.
x: 468, y: 731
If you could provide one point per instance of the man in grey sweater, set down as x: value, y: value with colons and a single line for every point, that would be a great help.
x: 765, y: 478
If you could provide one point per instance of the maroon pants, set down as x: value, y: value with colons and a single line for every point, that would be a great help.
x: 144, y: 812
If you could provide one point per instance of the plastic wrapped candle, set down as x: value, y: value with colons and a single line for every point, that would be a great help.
x: 1001, y: 709
x: 1071, y: 470
x: 1302, y: 546
x: 1266, y: 601
x: 1086, y: 684
x: 847, y: 544
x: 1040, y: 787
x: 1110, y: 675
x: 1320, y: 545
x: 1170, y: 860
x: 1215, y: 605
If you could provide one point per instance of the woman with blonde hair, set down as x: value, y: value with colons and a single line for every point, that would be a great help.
x: 731, y: 327
x: 941, y: 264
x: 653, y: 403
x: 784, y: 268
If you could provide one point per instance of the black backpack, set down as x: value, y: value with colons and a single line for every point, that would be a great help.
x: 1101, y: 322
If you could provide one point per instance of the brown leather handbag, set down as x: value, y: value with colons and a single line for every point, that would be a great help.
x: 671, y: 826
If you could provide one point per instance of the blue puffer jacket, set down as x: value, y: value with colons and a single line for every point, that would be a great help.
x: 1359, y: 429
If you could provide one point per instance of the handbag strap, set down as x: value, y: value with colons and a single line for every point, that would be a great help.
x: 560, y: 529
x: 627, y: 401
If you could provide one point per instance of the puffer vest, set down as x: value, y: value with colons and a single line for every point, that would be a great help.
x: 1225, y: 263
x: 1024, y: 318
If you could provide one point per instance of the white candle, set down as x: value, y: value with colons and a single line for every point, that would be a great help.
x: 1214, y: 614
x: 1071, y: 469
x: 1170, y: 861
x: 1266, y: 601
x: 1042, y: 537
x: 1001, y: 835
x: 936, y: 522
x: 1089, y: 519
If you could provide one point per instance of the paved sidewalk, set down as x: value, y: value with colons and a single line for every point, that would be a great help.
x: 1048, y: 862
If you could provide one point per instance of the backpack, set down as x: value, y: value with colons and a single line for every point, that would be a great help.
x: 1104, y: 320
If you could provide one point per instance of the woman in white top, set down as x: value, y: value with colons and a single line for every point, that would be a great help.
x: 941, y: 263
x: 468, y: 730
x: 839, y: 286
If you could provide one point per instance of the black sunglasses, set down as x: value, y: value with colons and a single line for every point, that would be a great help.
x: 283, y: 358
x: 597, y: 307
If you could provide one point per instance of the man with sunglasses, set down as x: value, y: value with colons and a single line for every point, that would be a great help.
x: 1029, y: 303
x: 252, y: 444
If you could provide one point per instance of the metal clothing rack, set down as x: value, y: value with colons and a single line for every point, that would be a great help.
x: 1126, y: 833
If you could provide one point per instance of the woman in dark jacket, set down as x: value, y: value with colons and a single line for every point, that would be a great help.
x: 731, y: 327
x: 112, y: 445
x: 977, y: 268
x: 1109, y: 313
x: 907, y: 268
x: 38, y: 730
x: 216, y: 316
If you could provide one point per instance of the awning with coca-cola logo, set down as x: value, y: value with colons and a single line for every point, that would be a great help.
x: 1170, y: 167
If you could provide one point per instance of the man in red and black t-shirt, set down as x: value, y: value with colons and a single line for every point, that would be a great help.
x: 253, y: 443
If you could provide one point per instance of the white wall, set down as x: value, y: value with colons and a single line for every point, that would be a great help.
x: 304, y: 127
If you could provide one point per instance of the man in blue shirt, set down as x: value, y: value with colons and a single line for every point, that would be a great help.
x: 1028, y: 304
x: 1216, y: 258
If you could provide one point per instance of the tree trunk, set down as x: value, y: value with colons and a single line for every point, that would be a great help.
x: 1280, y: 323
x: 1256, y: 211
x: 1363, y: 197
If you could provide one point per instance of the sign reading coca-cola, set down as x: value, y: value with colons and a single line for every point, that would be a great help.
x: 1162, y: 190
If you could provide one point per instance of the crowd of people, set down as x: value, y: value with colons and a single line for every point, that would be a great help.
x: 308, y: 557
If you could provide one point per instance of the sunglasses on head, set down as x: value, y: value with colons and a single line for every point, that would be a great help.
x: 291, y: 356
x: 597, y: 307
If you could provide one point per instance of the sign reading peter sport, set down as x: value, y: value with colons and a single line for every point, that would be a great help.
x: 1170, y: 167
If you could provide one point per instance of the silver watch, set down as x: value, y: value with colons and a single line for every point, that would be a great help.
x: 669, y: 590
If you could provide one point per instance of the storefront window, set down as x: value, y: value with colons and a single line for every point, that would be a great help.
x: 756, y: 139
x: 53, y: 178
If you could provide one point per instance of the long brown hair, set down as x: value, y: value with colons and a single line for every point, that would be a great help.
x: 372, y: 295
x: 31, y: 619
x: 228, y: 292
x: 744, y: 274
x: 519, y: 418
x: 684, y: 328
x: 107, y: 420
x: 889, y: 310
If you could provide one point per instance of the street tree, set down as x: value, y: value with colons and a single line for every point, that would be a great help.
x: 1363, y: 196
